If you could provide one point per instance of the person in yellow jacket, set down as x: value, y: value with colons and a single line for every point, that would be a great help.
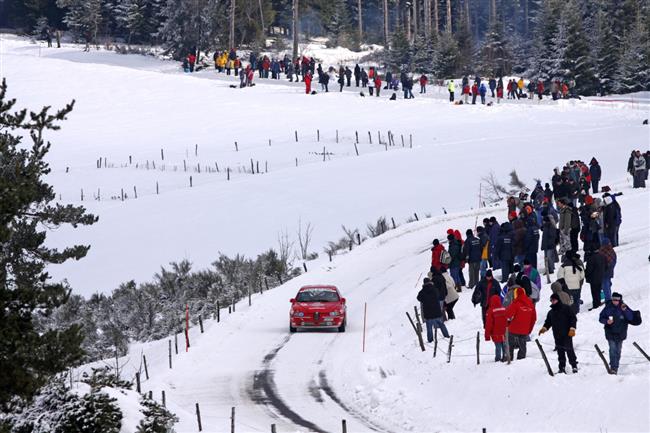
x: 452, y: 88
x: 221, y: 62
x: 520, y: 86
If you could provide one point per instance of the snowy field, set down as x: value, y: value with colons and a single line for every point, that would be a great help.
x: 136, y: 106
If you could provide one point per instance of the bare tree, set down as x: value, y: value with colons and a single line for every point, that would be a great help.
x: 304, y: 238
x: 285, y: 248
x: 376, y: 229
x: 494, y: 191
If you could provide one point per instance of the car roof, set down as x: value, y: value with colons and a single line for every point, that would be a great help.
x: 322, y: 286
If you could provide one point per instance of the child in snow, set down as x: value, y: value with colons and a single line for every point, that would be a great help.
x: 495, y: 327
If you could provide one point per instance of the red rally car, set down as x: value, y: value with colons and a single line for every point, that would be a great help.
x: 317, y: 307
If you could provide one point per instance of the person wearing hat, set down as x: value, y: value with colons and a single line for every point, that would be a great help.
x: 615, y: 316
x: 472, y: 253
x: 562, y: 320
x: 572, y: 271
x: 436, y: 253
x: 564, y: 225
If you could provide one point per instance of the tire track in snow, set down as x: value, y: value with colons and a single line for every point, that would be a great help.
x: 264, y: 391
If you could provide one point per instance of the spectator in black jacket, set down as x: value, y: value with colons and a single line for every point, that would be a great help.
x: 562, y: 320
x: 472, y: 254
x: 504, y: 250
x: 594, y: 171
x: 429, y: 297
x: 485, y: 288
x: 596, y: 265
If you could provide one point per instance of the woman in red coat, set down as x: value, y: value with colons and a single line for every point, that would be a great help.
x: 495, y: 327
x: 521, y: 317
x: 308, y: 82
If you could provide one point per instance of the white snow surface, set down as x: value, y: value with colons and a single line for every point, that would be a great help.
x: 313, y: 380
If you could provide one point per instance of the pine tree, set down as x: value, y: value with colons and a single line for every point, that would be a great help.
x: 633, y: 73
x: 423, y: 54
x: 606, y: 54
x: 83, y: 17
x: 29, y: 357
x: 495, y: 56
x: 545, y: 58
x: 338, y: 24
x: 399, y: 52
x: 576, y: 61
x: 445, y: 64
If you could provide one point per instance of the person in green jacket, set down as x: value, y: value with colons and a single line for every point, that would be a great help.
x: 452, y: 88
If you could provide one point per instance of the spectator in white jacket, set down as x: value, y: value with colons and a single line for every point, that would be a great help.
x: 452, y: 295
x: 573, y: 273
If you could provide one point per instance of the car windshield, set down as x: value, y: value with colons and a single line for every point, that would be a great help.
x: 317, y: 295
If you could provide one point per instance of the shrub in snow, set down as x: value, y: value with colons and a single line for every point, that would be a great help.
x: 157, y: 419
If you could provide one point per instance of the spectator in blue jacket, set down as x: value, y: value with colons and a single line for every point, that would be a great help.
x: 482, y: 90
x: 493, y: 85
x: 494, y: 235
x: 531, y: 240
x: 485, y: 249
x: 615, y: 316
x: 472, y: 254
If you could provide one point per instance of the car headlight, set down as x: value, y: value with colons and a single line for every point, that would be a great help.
x: 298, y: 314
x: 334, y: 313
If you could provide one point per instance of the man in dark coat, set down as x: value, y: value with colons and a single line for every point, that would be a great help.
x: 562, y: 320
x: 615, y: 316
x: 531, y: 240
x: 472, y: 254
x: 596, y: 266
x: 485, y: 288
x: 348, y: 76
x: 504, y: 250
x: 429, y: 297
x: 611, y: 218
x: 595, y: 172
x: 357, y: 74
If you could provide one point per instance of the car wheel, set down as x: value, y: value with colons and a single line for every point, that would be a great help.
x: 292, y: 329
x: 342, y: 327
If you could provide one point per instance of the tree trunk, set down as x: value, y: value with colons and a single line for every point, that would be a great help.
x: 262, y: 17
x: 427, y: 18
x: 408, y: 23
x: 397, y: 11
x: 294, y: 29
x: 386, y: 24
x: 468, y: 17
x: 231, y: 36
x: 493, y: 12
x: 360, y: 19
x: 449, y: 23
x: 415, y: 19
x: 436, y: 17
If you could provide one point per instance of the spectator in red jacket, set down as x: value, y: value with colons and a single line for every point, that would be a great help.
x: 466, y: 94
x: 436, y: 251
x: 308, y: 82
x: 191, y: 59
x: 474, y: 93
x: 377, y: 81
x: 423, y: 83
x: 540, y: 89
x: 521, y: 316
x: 499, y: 94
x: 495, y: 327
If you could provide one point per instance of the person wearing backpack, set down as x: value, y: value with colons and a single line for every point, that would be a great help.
x: 615, y: 317
x: 452, y: 295
x: 436, y: 255
x: 455, y: 251
x: 495, y: 327
x: 485, y: 288
x: 572, y: 270
x: 563, y: 321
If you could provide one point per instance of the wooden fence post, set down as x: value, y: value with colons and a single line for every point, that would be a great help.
x: 641, y: 350
x: 198, y: 417
x: 435, y: 342
x: 304, y: 266
x: 478, y: 347
x: 232, y: 417
x: 236, y: 147
x: 358, y: 239
x: 548, y: 366
x: 451, y: 344
x: 137, y: 382
x: 344, y: 426
x: 266, y: 283
x: 418, y: 334
x: 249, y: 297
x: 176, y: 343
x: 201, y: 324
x: 273, y: 428
x: 157, y: 190
x: 146, y: 369
x: 356, y: 149
x: 164, y: 399
x: 369, y: 137
x: 393, y: 220
x: 337, y: 136
x: 318, y: 135
x: 417, y: 319
x: 507, y: 345
x: 416, y: 216
x: 218, y: 312
x: 170, y: 354
x: 602, y: 357
x: 162, y: 154
x: 356, y: 134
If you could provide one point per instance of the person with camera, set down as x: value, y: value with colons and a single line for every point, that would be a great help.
x: 615, y: 316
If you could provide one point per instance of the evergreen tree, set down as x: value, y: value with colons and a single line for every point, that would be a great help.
x: 545, y: 57
x: 633, y: 73
x: 338, y: 24
x: 495, y: 56
x: 29, y: 357
x: 576, y: 61
x: 606, y: 54
x: 445, y: 64
x: 83, y: 17
x: 423, y: 54
x: 399, y: 53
